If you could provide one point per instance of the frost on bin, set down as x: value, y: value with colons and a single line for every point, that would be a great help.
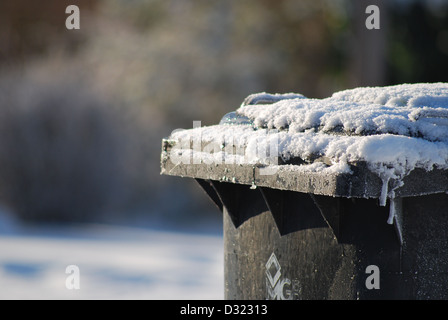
x: 373, y: 142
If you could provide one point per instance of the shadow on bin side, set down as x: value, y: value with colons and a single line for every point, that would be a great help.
x: 307, y: 235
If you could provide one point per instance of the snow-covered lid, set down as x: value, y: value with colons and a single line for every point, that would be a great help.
x: 415, y: 110
x: 390, y: 130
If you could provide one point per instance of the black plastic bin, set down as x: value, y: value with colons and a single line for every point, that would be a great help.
x: 296, y: 234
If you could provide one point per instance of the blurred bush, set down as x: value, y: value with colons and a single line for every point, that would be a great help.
x: 62, y: 150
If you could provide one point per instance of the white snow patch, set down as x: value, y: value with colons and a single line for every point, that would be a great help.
x: 266, y: 98
x: 393, y: 109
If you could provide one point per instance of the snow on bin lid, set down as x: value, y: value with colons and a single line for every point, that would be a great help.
x: 364, y: 111
x: 391, y: 130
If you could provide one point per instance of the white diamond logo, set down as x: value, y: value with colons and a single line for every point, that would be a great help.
x: 273, y: 270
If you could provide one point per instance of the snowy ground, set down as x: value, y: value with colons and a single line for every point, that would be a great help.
x: 113, y: 262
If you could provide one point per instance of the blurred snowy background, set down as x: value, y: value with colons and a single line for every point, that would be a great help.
x: 114, y: 263
x: 83, y: 113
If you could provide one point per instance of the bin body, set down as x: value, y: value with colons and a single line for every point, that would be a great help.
x: 319, y: 236
x: 312, y: 262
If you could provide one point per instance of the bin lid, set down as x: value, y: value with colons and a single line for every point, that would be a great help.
x: 370, y: 142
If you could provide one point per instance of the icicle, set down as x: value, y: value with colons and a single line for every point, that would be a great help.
x: 396, y: 217
x: 392, y: 212
x: 384, y: 190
